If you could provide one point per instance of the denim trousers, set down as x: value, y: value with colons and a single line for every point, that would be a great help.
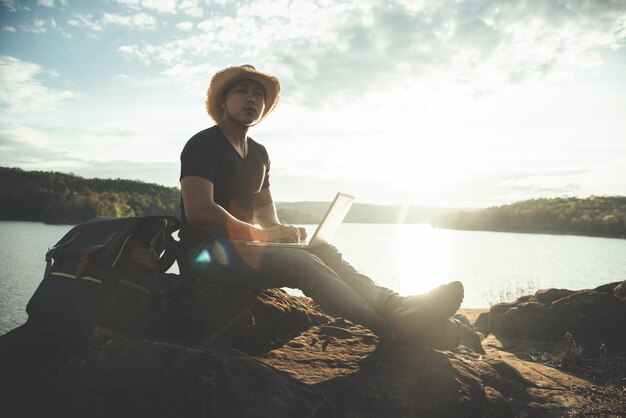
x: 320, y: 273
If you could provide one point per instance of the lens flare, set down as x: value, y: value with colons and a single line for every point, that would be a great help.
x: 203, y: 257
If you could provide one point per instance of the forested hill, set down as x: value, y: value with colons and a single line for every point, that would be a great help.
x: 593, y: 216
x: 65, y: 198
x: 68, y: 199
x: 53, y: 197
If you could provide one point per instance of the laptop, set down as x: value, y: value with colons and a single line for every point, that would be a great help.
x: 326, y: 230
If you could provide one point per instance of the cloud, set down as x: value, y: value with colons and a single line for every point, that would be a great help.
x: 8, y: 29
x: 161, y: 6
x: 181, y: 71
x: 28, y: 148
x: 51, y: 3
x: 135, y: 21
x: 10, y: 5
x: 21, y: 92
x: 184, y: 26
x: 40, y: 26
x: 191, y: 8
x: 342, y: 50
x: 139, y: 21
x: 31, y: 149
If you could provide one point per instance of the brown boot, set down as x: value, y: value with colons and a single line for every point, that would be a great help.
x: 410, y: 315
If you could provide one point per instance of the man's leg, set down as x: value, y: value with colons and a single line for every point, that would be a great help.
x: 406, y: 314
x: 235, y: 264
x: 374, y: 294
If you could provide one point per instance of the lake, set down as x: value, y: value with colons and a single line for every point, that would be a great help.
x: 493, y: 266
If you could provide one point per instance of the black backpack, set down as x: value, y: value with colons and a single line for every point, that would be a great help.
x: 101, y: 275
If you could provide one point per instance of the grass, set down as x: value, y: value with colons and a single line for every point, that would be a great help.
x: 568, y: 351
x: 510, y: 292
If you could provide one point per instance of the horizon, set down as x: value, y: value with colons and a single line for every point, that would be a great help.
x: 437, y: 104
x: 357, y: 201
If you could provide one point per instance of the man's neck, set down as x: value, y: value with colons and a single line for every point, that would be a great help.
x: 234, y: 132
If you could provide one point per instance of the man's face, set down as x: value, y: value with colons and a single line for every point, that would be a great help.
x: 245, y: 101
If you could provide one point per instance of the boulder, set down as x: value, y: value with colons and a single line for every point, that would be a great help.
x: 592, y: 316
x: 299, y: 362
x: 482, y: 323
x: 143, y: 378
x: 252, y: 322
x: 620, y: 292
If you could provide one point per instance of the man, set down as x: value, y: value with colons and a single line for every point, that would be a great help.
x: 226, y: 201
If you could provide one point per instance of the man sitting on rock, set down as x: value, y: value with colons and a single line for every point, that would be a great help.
x: 226, y: 202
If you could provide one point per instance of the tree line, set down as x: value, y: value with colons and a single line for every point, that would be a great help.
x: 59, y: 198
x: 592, y: 216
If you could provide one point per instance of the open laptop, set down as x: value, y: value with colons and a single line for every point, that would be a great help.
x: 325, y: 231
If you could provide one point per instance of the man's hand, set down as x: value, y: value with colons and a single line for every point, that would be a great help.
x: 284, y: 233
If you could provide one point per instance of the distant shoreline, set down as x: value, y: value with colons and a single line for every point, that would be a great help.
x: 537, y: 232
x: 65, y: 199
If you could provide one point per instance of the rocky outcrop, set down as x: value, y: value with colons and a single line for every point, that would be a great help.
x: 253, y: 322
x: 291, y: 361
x: 594, y: 317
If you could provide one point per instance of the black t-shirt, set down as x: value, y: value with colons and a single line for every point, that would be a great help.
x: 237, y: 181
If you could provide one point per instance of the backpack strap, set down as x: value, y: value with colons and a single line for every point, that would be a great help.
x: 51, y: 251
x: 169, y: 255
x: 84, y: 262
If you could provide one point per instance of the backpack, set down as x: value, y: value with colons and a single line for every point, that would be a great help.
x: 102, y: 274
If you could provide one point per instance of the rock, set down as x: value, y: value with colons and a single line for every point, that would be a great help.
x: 252, y: 322
x: 308, y: 365
x: 529, y: 319
x: 547, y: 296
x: 620, y: 292
x: 137, y: 377
x: 593, y: 317
x: 482, y: 323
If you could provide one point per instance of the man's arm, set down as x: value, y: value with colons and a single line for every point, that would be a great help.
x: 202, y: 211
x: 264, y: 209
x: 265, y: 212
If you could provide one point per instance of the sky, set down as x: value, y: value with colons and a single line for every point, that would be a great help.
x: 464, y: 103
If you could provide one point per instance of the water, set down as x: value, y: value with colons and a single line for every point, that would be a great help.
x: 407, y: 258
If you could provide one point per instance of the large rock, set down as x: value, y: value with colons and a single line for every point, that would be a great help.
x: 304, y: 364
x: 592, y: 316
x: 142, y: 378
x: 138, y: 377
x: 253, y: 322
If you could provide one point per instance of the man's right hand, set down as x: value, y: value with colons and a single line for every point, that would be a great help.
x: 283, y: 233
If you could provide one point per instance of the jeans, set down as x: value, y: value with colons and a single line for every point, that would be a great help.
x: 319, y: 272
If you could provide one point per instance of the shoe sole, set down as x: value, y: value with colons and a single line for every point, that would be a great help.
x: 436, y: 305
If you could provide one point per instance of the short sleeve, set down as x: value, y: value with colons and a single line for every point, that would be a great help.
x: 266, y: 179
x: 197, y: 159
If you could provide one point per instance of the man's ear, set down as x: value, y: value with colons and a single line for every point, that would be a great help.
x: 223, y: 105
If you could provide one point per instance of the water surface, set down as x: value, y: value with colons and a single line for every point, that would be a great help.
x: 407, y: 258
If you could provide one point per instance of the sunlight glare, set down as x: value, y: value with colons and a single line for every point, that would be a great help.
x: 425, y: 259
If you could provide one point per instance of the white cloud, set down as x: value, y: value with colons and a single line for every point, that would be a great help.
x: 46, y: 3
x: 191, y: 8
x: 184, y: 26
x: 139, y: 21
x: 161, y: 6
x: 135, y: 21
x: 51, y: 3
x: 8, y: 29
x: 11, y: 5
x: 21, y: 92
x: 180, y: 71
x: 343, y: 49
x: 86, y: 21
x: 41, y: 26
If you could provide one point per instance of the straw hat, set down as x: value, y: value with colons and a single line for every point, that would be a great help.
x: 224, y: 78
